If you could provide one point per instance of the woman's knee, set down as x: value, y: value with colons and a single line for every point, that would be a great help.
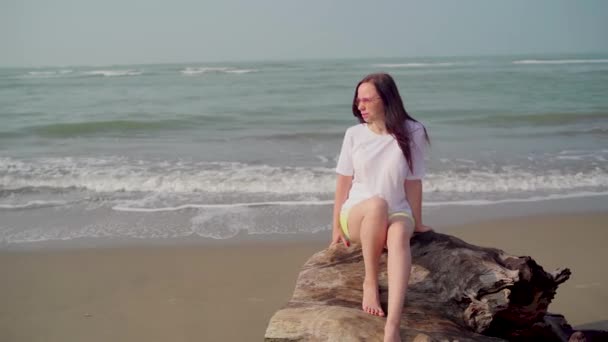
x: 378, y: 205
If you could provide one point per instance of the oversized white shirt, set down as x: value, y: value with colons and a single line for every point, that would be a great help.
x: 379, y: 166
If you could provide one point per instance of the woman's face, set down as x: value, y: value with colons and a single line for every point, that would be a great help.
x: 369, y: 103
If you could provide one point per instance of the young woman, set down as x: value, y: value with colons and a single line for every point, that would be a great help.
x: 378, y: 200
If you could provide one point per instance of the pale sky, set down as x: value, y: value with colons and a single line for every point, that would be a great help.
x: 98, y: 32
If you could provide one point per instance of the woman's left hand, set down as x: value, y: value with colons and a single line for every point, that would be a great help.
x: 338, y: 237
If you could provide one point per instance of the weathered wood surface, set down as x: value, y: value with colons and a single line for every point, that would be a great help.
x: 457, y: 291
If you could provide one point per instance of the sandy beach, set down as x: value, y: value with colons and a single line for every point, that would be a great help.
x: 166, y: 170
x: 228, y: 292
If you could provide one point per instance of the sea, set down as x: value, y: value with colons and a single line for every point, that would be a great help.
x: 226, y: 149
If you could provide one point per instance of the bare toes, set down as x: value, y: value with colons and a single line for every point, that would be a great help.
x: 371, y: 300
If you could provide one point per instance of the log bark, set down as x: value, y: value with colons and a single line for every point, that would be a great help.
x: 457, y: 291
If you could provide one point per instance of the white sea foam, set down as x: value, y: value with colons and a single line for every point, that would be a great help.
x: 253, y: 205
x: 481, y: 202
x: 322, y: 158
x: 467, y: 161
x: 575, y: 151
x: 118, y: 174
x: 113, y: 73
x: 196, y: 71
x: 48, y: 73
x: 124, y: 175
x: 413, y: 65
x: 190, y: 71
x: 570, y: 157
x: 42, y: 73
x: 32, y: 204
x: 513, y: 181
x: 560, y: 61
x: 241, y: 71
x: 214, y: 222
x: 222, y: 206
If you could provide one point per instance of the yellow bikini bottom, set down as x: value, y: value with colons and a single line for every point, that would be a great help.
x: 344, y: 219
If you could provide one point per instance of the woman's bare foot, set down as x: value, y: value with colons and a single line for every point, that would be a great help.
x: 391, y: 333
x: 371, y: 299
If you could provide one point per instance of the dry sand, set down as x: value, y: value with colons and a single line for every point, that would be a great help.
x: 228, y: 292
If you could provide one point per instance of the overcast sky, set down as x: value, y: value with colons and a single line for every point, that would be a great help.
x: 95, y: 32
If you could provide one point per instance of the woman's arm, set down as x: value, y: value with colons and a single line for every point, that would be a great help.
x: 343, y: 185
x: 413, y: 193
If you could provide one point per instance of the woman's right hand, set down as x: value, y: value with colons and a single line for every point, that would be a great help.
x: 338, y: 237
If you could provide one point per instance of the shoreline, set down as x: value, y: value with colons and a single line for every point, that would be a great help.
x: 443, y: 219
x: 229, y: 291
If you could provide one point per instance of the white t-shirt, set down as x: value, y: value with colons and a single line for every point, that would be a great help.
x: 379, y: 166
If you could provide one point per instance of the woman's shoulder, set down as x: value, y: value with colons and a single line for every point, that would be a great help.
x: 414, y: 126
x: 355, y: 129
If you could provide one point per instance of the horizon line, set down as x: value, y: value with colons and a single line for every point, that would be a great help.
x: 272, y: 59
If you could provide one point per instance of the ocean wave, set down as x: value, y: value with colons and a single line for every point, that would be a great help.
x: 560, y: 61
x: 76, y: 129
x: 120, y: 174
x: 190, y: 71
x: 513, y: 181
x: 298, y: 136
x: 114, y: 175
x: 48, y: 73
x: 543, y: 119
x: 428, y: 203
x: 415, y: 65
x: 72, y: 73
x: 598, y: 132
x: 113, y: 73
x: 10, y: 135
x: 221, y: 206
x: 32, y: 205
x: 484, y: 202
x: 208, y: 222
x: 241, y: 71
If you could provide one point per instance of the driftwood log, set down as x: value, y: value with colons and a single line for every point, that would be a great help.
x: 457, y: 292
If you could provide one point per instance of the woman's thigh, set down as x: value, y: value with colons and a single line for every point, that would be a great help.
x: 400, y: 231
x: 375, y: 206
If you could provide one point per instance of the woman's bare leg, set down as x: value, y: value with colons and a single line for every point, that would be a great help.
x: 399, y: 264
x: 367, y: 223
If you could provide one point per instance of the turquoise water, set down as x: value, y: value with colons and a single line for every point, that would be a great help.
x: 211, y: 149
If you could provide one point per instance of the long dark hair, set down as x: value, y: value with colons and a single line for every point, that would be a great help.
x: 395, y: 113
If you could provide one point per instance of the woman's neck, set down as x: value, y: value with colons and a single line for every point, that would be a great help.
x: 378, y: 127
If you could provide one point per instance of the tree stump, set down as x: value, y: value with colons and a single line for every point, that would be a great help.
x: 457, y: 291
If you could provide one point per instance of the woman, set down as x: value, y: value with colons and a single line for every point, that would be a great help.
x: 378, y: 200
